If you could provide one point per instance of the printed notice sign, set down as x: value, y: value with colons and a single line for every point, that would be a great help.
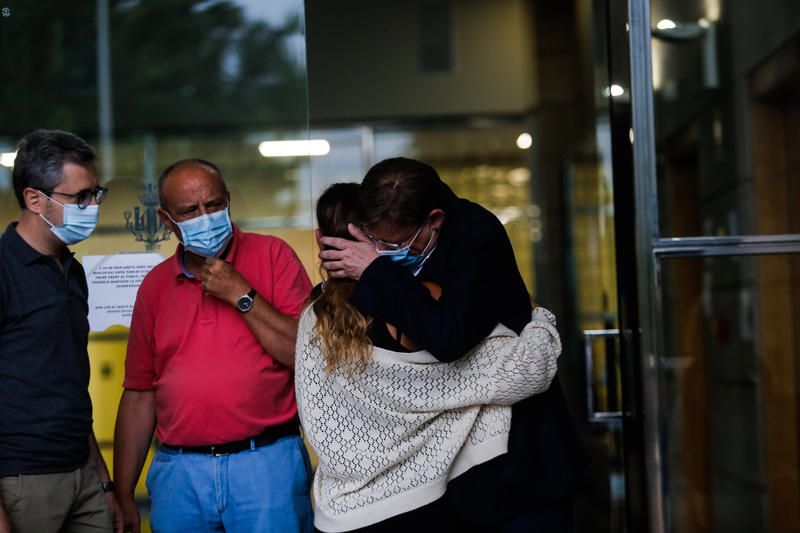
x: 113, y: 281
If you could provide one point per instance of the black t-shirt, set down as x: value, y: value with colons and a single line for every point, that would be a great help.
x: 45, y: 408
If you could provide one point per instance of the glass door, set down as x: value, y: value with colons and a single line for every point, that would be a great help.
x: 147, y: 84
x: 597, y: 192
x: 716, y: 117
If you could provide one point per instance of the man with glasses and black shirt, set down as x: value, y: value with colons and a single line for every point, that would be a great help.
x: 52, y: 475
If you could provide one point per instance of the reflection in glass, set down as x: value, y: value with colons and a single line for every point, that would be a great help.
x: 725, y: 78
x: 188, y: 79
x: 148, y: 83
x: 483, y: 164
x: 729, y: 385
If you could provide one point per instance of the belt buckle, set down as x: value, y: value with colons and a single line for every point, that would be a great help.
x: 216, y: 453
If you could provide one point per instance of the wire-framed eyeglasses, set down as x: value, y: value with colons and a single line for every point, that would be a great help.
x: 386, y: 245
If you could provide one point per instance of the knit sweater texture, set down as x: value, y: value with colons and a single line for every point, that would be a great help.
x: 389, y: 438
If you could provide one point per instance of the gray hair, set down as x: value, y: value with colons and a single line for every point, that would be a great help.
x: 41, y: 156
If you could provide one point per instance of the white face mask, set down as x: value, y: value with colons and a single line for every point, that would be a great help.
x: 77, y: 223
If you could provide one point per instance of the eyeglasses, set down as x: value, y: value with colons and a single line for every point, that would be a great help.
x: 394, y: 245
x: 83, y: 198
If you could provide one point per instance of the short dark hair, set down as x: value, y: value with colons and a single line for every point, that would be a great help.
x: 401, y: 190
x: 208, y: 165
x: 41, y: 156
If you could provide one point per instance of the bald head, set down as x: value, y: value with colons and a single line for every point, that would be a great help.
x: 185, y: 178
x: 190, y: 188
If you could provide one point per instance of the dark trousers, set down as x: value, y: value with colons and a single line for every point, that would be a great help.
x: 440, y: 516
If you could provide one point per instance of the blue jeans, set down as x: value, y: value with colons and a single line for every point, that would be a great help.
x: 264, y: 489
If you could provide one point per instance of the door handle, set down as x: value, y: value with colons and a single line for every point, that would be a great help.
x: 594, y: 415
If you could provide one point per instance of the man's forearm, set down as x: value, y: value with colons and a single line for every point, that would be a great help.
x: 97, y: 459
x: 446, y: 327
x: 275, y: 331
x: 133, y: 434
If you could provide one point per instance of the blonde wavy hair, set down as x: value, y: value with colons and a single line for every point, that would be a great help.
x: 342, y: 328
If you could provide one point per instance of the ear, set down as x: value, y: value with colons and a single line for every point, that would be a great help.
x: 437, y: 218
x: 35, y: 201
x: 167, y: 222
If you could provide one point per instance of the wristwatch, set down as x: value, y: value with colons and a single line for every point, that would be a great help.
x: 245, y: 303
x: 107, y: 486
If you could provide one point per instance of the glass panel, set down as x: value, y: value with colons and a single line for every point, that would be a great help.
x: 590, y: 175
x: 483, y: 164
x: 727, y: 111
x: 729, y: 386
x: 552, y: 188
x: 603, y: 373
x: 148, y: 83
x: 605, y: 512
x: 487, y: 165
x: 605, y: 434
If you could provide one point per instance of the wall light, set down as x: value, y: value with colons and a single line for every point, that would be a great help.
x: 7, y: 159
x: 294, y: 148
x: 614, y: 90
x: 524, y: 141
x: 704, y: 30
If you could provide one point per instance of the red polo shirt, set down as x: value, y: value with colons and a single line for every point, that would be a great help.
x: 213, y: 381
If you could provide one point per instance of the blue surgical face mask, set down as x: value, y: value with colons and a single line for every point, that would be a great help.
x: 403, y: 257
x: 206, y: 235
x: 77, y: 224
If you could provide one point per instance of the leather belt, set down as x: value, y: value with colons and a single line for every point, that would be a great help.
x: 268, y: 436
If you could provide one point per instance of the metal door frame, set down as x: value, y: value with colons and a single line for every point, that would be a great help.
x: 651, y: 249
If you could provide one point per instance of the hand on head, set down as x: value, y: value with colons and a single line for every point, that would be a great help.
x: 345, y: 258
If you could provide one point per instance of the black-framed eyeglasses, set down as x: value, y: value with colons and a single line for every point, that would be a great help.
x: 83, y: 198
x: 394, y: 245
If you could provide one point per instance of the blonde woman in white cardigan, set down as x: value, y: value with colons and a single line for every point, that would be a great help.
x: 392, y: 428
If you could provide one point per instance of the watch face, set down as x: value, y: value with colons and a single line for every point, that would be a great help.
x: 244, y: 304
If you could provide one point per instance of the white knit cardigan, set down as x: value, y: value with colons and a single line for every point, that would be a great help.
x: 391, y: 437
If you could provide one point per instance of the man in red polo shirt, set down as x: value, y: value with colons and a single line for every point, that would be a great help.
x: 209, y: 368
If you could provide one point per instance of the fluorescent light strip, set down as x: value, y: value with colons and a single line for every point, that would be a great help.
x: 7, y: 159
x: 312, y: 147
